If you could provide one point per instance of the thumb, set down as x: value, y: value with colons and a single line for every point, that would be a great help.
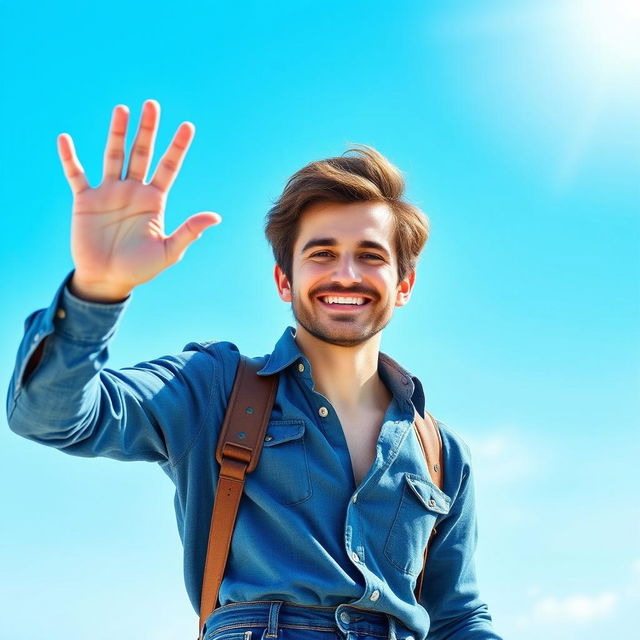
x: 190, y: 230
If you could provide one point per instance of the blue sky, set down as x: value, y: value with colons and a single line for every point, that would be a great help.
x: 516, y: 126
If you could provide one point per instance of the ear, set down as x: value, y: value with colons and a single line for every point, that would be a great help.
x: 405, y: 286
x: 282, y: 282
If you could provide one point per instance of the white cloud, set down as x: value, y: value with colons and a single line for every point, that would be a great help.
x: 578, y: 615
x: 575, y: 608
x: 503, y: 457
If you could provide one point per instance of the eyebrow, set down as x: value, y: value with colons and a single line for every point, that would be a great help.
x: 332, y: 242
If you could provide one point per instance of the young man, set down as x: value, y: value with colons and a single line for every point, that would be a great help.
x: 333, y: 524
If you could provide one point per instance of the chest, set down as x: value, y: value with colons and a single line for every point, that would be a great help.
x: 361, y: 434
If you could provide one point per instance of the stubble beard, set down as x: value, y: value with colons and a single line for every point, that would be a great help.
x: 306, y: 319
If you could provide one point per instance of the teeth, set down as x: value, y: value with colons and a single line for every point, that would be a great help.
x: 343, y: 300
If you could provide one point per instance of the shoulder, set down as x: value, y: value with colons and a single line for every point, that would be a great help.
x: 223, y: 352
x: 456, y: 457
x: 453, y: 442
x: 217, y: 359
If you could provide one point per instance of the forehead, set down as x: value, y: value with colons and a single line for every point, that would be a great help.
x: 346, y: 223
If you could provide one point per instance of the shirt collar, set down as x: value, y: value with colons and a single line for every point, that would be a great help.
x: 284, y: 354
x: 399, y: 381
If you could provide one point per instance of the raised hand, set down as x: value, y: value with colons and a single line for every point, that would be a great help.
x: 117, y: 230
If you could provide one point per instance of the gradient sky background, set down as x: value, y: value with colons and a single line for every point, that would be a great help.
x: 517, y: 127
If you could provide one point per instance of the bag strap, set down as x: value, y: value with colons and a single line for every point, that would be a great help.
x: 431, y: 444
x: 238, y: 451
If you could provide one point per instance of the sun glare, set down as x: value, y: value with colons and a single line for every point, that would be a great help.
x: 573, y: 71
x: 607, y: 33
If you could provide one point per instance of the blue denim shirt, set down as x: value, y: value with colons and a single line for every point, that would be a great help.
x: 305, y: 532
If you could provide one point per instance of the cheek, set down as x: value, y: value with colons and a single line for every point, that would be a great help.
x: 308, y: 277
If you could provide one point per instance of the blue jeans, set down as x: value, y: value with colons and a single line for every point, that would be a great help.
x: 277, y: 620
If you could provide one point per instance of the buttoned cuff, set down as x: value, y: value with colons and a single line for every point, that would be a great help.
x: 84, y: 321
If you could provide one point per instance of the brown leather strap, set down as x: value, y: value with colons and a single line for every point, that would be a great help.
x: 239, y: 447
x: 431, y: 443
x: 238, y: 451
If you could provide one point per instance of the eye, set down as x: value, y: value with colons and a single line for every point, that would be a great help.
x: 372, y: 256
x: 321, y: 254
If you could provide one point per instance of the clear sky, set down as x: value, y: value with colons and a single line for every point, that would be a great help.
x: 517, y: 127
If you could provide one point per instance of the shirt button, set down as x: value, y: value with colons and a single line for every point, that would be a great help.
x: 374, y: 596
x: 61, y: 313
x: 268, y: 439
x: 355, y: 557
x: 323, y: 411
x: 301, y: 367
x: 432, y: 503
x: 345, y: 617
x: 355, y: 498
x: 36, y: 337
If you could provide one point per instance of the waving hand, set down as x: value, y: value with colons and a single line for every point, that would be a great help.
x: 117, y: 230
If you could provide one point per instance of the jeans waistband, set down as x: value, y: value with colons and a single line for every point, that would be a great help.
x: 274, y: 614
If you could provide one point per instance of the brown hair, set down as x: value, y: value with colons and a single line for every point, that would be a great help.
x: 360, y: 174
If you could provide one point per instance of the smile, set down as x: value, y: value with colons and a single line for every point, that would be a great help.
x: 344, y: 302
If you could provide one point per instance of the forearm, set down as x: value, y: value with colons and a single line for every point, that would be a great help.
x: 151, y: 411
x: 54, y: 387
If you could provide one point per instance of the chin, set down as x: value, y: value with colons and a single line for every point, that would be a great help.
x: 342, y: 332
x: 345, y: 338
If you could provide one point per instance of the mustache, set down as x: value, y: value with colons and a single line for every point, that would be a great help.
x: 345, y: 291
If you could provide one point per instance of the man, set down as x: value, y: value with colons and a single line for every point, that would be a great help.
x: 333, y: 524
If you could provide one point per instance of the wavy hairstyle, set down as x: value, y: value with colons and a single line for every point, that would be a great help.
x: 360, y: 174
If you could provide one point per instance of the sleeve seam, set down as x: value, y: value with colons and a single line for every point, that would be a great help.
x: 180, y: 459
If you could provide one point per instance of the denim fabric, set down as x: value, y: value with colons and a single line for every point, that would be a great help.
x: 289, y: 621
x: 305, y: 532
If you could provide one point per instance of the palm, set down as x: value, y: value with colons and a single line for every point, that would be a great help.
x: 117, y: 232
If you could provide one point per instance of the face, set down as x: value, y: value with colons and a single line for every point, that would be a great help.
x: 344, y: 272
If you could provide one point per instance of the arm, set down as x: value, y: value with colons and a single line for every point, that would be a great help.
x: 71, y: 402
x: 60, y: 394
x: 450, y: 592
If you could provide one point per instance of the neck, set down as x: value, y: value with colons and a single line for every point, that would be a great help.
x: 347, y: 376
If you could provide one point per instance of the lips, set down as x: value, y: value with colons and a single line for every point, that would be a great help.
x: 343, y: 302
x: 342, y: 307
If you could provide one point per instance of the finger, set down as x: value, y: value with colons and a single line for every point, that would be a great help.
x: 170, y: 163
x: 142, y: 150
x: 114, y: 151
x: 71, y: 165
x: 190, y: 230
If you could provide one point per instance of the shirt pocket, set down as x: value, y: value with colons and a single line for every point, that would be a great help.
x: 421, y: 505
x: 282, y: 473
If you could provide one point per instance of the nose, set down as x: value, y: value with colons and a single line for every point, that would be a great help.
x: 346, y: 271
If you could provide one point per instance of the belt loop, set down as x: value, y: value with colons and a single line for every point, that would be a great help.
x: 272, y: 628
